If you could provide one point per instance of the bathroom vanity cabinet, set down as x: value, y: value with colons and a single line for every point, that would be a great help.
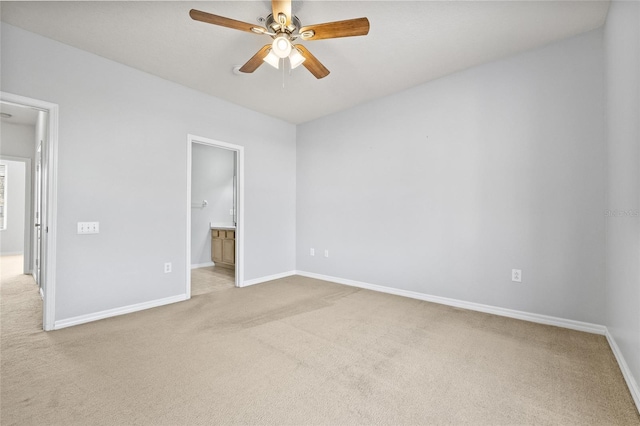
x: 223, y: 247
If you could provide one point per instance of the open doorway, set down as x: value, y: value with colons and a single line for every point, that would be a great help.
x: 15, y: 188
x: 215, y: 215
x: 28, y: 160
x: 15, y: 207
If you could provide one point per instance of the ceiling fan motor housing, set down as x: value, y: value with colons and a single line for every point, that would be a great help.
x: 276, y: 27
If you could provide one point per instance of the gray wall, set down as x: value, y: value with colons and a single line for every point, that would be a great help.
x: 12, y: 238
x: 122, y: 162
x: 212, y: 171
x: 444, y: 188
x: 622, y: 44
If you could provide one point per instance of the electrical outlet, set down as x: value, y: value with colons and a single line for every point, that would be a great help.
x: 312, y: 252
x: 326, y: 253
x: 516, y: 275
x: 167, y: 267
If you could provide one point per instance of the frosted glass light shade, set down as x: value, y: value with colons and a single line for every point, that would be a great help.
x: 272, y: 59
x: 281, y: 46
x: 296, y: 58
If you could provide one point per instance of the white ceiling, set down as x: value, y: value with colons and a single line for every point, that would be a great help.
x: 410, y: 42
x: 19, y: 114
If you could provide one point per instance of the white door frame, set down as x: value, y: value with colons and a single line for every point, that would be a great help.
x: 191, y: 139
x: 50, y: 194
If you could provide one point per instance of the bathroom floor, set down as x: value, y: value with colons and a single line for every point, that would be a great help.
x: 210, y: 279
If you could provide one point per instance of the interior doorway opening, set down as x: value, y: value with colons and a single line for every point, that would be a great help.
x: 215, y: 215
x: 29, y: 134
x: 15, y: 206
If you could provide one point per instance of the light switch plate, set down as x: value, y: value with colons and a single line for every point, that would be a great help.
x: 88, y: 227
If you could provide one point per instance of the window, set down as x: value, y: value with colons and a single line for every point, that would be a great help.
x: 3, y: 205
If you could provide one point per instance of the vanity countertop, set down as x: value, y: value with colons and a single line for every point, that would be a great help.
x: 227, y: 226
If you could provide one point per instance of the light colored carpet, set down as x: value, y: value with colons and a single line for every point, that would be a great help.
x: 301, y: 351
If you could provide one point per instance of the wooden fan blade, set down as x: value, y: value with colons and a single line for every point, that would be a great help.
x: 257, y: 60
x: 281, y: 6
x: 210, y: 18
x: 312, y: 63
x: 348, y: 28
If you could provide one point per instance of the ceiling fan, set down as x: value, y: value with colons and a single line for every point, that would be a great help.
x: 284, y: 29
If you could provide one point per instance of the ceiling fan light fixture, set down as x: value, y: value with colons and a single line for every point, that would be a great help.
x: 272, y: 59
x: 281, y: 46
x: 295, y: 58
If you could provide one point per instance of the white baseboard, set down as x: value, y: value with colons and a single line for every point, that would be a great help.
x: 247, y: 283
x: 511, y: 313
x: 81, y: 319
x: 202, y: 265
x: 12, y: 253
x: 626, y: 373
